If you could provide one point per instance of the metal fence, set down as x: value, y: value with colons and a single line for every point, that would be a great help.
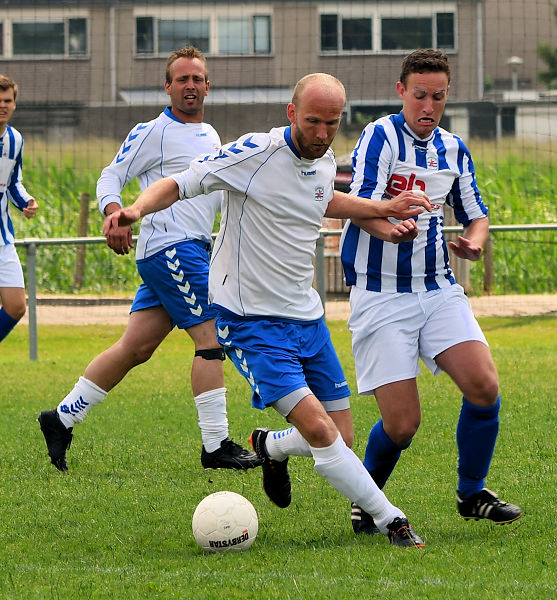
x: 31, y: 245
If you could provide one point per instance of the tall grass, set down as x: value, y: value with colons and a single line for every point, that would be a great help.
x: 517, y: 183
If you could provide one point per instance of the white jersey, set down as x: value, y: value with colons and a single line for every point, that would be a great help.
x: 273, y: 206
x: 11, y: 188
x: 152, y: 151
x: 387, y: 160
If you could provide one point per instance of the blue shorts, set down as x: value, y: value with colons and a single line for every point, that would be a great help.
x: 178, y: 280
x: 284, y: 361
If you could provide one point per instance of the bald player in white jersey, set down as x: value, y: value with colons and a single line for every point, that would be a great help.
x: 277, y: 188
x: 405, y: 302
x: 172, y: 257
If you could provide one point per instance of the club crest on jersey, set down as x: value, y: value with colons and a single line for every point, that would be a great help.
x: 319, y: 193
x: 432, y: 162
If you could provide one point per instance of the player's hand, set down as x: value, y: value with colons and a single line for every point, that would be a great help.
x: 466, y: 249
x: 409, y: 203
x: 405, y: 231
x: 31, y: 209
x: 120, y: 239
x: 120, y: 218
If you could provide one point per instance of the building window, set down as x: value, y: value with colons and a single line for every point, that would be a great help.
x: 262, y: 34
x: 217, y: 35
x: 406, y: 33
x: 244, y: 35
x: 59, y: 38
x: 346, y: 33
x: 403, y: 28
x: 357, y: 34
x: 445, y: 31
x: 144, y: 35
x: 162, y: 36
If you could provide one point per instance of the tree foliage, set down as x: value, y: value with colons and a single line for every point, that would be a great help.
x: 549, y: 57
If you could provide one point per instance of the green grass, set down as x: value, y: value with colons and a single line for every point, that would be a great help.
x: 118, y: 524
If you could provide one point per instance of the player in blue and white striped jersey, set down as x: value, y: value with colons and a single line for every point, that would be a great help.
x: 172, y: 257
x: 405, y: 301
x: 278, y: 186
x: 12, y: 286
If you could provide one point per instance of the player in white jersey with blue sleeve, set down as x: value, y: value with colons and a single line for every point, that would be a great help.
x: 172, y: 257
x: 277, y: 187
x: 12, y: 287
x: 405, y: 301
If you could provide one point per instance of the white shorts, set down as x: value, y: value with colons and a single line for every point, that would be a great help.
x: 11, y: 273
x: 390, y: 332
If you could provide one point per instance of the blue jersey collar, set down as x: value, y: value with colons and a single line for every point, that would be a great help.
x: 288, y: 140
x: 168, y: 113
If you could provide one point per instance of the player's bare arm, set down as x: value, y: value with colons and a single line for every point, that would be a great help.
x: 404, y: 206
x: 157, y: 196
x: 405, y: 231
x: 470, y: 245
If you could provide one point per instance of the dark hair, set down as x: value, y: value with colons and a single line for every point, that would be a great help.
x: 425, y: 60
x: 6, y: 84
x: 187, y: 52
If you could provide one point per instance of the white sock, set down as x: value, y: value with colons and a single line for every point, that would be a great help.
x: 75, y: 406
x: 211, y: 415
x: 288, y: 442
x: 344, y: 471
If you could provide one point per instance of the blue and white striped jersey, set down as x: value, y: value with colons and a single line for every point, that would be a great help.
x: 11, y: 188
x: 154, y: 150
x: 273, y: 206
x: 387, y: 160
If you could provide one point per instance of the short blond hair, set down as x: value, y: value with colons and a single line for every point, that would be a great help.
x: 190, y: 52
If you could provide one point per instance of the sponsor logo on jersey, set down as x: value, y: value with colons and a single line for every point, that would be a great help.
x: 230, y: 542
x: 309, y: 173
x: 399, y: 183
x: 319, y: 193
x: 432, y: 162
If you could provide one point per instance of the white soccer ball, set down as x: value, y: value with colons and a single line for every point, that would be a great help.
x: 225, y: 521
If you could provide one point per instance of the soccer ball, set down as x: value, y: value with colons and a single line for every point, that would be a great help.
x: 225, y: 521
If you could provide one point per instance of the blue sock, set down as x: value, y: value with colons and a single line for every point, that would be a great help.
x: 7, y: 323
x: 476, y: 434
x: 382, y: 454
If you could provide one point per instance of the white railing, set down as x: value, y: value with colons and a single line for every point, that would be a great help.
x: 31, y: 244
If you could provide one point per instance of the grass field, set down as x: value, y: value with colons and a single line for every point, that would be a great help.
x: 118, y: 524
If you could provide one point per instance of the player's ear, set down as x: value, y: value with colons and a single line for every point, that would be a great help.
x: 291, y: 113
x: 400, y: 89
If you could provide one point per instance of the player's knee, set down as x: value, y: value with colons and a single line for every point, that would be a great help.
x: 484, y: 390
x: 141, y: 353
x: 403, y: 431
x: 485, y: 394
x: 320, y: 432
x: 16, y: 310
